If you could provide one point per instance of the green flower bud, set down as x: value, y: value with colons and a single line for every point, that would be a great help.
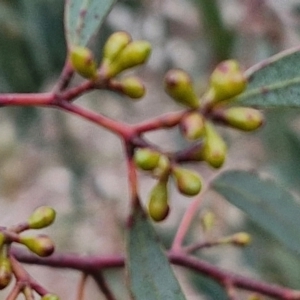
x: 5, y: 272
x: 132, y: 87
x: 158, y: 206
x: 192, y: 126
x: 188, y: 182
x: 134, y: 54
x: 50, y: 297
x: 208, y: 220
x: 178, y: 85
x: 114, y: 46
x: 163, y: 168
x: 42, y: 217
x: 243, y: 118
x: 227, y: 81
x: 214, y: 150
x: 146, y: 159
x: 82, y: 60
x: 241, y: 239
x: 2, y: 239
x: 41, y: 244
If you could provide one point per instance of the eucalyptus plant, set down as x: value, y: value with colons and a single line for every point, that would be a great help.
x: 233, y: 98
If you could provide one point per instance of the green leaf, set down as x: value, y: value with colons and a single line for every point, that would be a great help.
x: 274, y: 82
x: 265, y: 202
x: 150, y: 273
x: 83, y: 18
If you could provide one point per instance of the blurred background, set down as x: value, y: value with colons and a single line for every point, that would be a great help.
x: 50, y: 158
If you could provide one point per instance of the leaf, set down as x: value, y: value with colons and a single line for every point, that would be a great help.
x: 83, y: 18
x: 283, y: 147
x: 150, y: 273
x: 274, y: 82
x: 265, y: 202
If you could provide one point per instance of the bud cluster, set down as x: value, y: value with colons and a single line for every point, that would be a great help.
x: 39, y: 244
x: 226, y: 82
x: 197, y: 124
x: 187, y: 181
x: 119, y: 54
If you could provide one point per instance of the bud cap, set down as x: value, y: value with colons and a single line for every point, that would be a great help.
x: 192, y: 126
x: 214, y: 150
x: 42, y: 217
x: 178, y: 85
x: 41, y: 244
x: 227, y: 81
x: 243, y: 118
x: 158, y: 206
x: 188, y: 182
x: 82, y: 60
x: 114, y: 45
x: 146, y: 158
x: 132, y: 87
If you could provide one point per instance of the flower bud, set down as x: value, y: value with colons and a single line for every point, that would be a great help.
x: 188, y: 182
x: 134, y: 54
x: 158, y: 206
x: 2, y: 239
x: 50, y: 297
x: 114, y: 45
x: 42, y: 217
x: 82, y: 60
x: 163, y: 168
x: 178, y: 85
x: 132, y: 87
x: 243, y: 118
x: 5, y: 272
x: 192, y: 126
x: 208, y: 220
x: 146, y: 158
x: 241, y: 239
x: 227, y: 81
x: 41, y: 245
x: 214, y: 149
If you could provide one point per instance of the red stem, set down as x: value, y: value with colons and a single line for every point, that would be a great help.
x: 238, y: 281
x: 186, y: 222
x: 164, y: 121
x: 15, y: 292
x: 40, y: 99
x: 132, y: 176
x: 65, y: 77
x: 92, y: 263
x: 110, y: 124
x: 99, y: 278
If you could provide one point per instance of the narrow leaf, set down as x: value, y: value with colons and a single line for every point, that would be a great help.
x: 265, y: 202
x: 150, y: 273
x: 274, y: 82
x: 83, y: 18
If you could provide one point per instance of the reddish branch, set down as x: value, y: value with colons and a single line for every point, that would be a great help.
x: 90, y: 264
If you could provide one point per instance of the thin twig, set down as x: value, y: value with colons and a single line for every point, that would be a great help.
x: 100, y: 280
x: 65, y: 77
x: 15, y: 292
x: 186, y: 221
x: 110, y: 124
x: 81, y: 286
